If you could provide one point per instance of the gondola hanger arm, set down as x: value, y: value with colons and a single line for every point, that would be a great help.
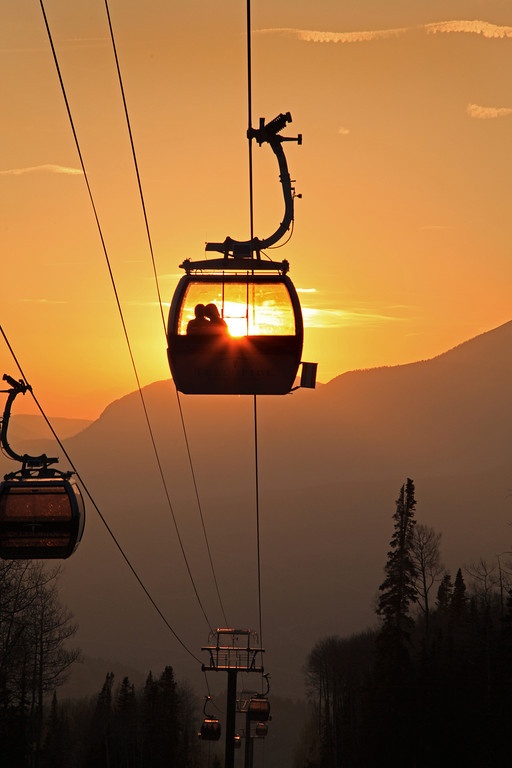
x: 32, y: 462
x: 266, y: 133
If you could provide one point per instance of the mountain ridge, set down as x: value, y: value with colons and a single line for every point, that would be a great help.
x: 330, y: 465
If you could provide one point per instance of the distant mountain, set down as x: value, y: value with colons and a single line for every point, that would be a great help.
x: 27, y: 427
x: 330, y: 465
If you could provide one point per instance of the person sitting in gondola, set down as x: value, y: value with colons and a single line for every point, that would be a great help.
x: 217, y: 323
x: 199, y: 323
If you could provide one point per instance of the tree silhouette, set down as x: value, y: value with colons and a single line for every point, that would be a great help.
x: 99, y: 741
x: 124, y: 726
x: 392, y: 706
x: 426, y: 558
x: 397, y: 591
x: 34, y: 627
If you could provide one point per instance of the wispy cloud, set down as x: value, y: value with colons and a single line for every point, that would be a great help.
x: 475, y: 27
x: 313, y: 36
x: 60, y: 169
x: 487, y: 113
x: 42, y: 301
x: 341, y: 318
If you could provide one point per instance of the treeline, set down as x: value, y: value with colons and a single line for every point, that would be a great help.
x: 118, y: 728
x: 34, y: 628
x: 432, y: 683
x: 121, y: 727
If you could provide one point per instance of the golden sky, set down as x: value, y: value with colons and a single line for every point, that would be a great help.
x: 401, y: 246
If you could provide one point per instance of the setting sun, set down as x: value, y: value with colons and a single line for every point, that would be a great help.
x: 398, y: 240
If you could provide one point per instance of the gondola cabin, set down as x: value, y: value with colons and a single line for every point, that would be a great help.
x: 40, y: 518
x: 261, y: 730
x: 259, y: 709
x: 210, y: 729
x: 253, y: 347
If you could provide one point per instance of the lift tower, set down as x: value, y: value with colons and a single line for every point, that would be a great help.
x: 233, y: 651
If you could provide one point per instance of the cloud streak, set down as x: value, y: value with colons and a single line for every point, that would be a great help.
x: 475, y: 27
x: 487, y: 113
x: 313, y: 36
x: 42, y: 301
x: 484, y: 28
x: 341, y: 318
x: 48, y: 168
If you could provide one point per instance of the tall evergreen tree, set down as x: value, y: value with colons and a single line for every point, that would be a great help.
x: 124, y: 727
x: 391, y: 709
x: 397, y: 591
x: 459, y: 601
x: 99, y: 744
x: 444, y: 594
x: 58, y: 747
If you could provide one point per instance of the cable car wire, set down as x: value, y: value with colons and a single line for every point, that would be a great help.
x: 102, y: 518
x: 200, y: 509
x: 132, y: 145
x: 251, y: 216
x: 258, y: 542
x: 160, y: 303
x: 120, y: 310
x: 249, y: 117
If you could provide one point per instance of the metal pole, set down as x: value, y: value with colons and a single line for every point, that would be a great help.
x: 229, y: 761
x: 248, y: 742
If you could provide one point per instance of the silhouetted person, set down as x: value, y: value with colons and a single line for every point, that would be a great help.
x: 217, y: 324
x: 200, y: 323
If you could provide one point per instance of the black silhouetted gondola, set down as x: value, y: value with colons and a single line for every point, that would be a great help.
x: 257, y: 349
x: 210, y: 729
x: 42, y: 512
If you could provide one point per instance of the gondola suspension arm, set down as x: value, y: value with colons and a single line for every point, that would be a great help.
x: 266, y: 133
x: 28, y: 462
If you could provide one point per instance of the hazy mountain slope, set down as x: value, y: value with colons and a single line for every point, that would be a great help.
x: 25, y: 427
x: 331, y: 463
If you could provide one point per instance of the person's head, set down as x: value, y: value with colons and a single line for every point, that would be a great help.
x: 211, y: 311
x: 199, y: 310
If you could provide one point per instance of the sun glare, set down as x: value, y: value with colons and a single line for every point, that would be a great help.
x: 262, y: 312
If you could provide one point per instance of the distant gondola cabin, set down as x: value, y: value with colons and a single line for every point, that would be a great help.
x: 210, y: 729
x: 259, y: 709
x: 261, y: 730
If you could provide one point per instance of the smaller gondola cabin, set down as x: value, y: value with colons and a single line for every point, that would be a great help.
x: 210, y: 729
x: 40, y: 518
x: 259, y: 709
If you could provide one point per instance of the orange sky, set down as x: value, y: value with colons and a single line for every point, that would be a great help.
x: 401, y: 246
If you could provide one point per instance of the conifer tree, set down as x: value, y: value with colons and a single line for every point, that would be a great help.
x: 444, y: 594
x: 459, y: 601
x: 391, y: 710
x: 398, y: 588
x: 125, y: 737
x: 99, y: 741
x: 58, y: 748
